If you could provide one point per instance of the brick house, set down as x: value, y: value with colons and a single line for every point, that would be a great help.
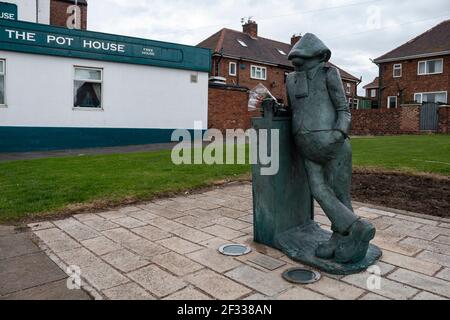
x: 372, y: 92
x: 418, y: 71
x: 245, y: 59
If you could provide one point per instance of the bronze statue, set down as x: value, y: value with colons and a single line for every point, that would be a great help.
x: 315, y: 163
x: 321, y: 121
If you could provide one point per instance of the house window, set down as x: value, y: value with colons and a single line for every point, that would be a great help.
x: 258, y: 73
x: 434, y: 97
x: 2, y: 82
x: 353, y: 103
x: 397, y: 70
x: 373, y: 93
x: 232, y: 69
x: 281, y: 52
x: 348, y: 88
x: 392, y: 102
x: 430, y: 67
x: 194, y: 77
x: 88, y: 88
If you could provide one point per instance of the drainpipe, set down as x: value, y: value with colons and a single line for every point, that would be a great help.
x: 37, y: 11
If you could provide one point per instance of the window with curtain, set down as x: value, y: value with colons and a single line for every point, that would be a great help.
x: 431, y: 67
x: 88, y: 88
x: 434, y: 97
x: 397, y: 70
x: 2, y: 81
x: 258, y: 73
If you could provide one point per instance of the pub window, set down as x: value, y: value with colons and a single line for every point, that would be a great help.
x: 2, y: 82
x: 88, y: 88
x: 258, y: 73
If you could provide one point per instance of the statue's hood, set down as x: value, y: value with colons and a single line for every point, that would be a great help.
x: 310, y: 46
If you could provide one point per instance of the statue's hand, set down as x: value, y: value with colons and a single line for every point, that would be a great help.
x: 338, y: 136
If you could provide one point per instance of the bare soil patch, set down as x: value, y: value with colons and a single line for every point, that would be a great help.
x: 426, y: 194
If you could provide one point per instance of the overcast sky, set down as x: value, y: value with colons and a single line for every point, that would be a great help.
x: 355, y: 30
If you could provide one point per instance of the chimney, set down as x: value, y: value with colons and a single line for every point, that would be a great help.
x: 251, y: 28
x: 295, y: 38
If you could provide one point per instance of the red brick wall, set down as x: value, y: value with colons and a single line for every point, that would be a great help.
x: 404, y: 120
x: 444, y: 119
x: 58, y: 13
x: 410, y: 82
x: 275, y: 76
x: 228, y: 109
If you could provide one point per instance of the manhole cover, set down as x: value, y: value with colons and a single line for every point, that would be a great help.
x: 301, y: 276
x: 234, y: 250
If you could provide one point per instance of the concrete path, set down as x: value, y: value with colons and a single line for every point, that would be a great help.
x: 167, y: 249
x: 27, y: 273
x: 4, y: 157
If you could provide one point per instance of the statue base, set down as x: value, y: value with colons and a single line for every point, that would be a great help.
x: 301, y: 243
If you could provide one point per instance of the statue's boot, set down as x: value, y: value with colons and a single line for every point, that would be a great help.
x: 353, y: 248
x: 326, y: 250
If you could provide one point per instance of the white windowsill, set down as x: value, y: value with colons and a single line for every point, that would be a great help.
x: 88, y: 109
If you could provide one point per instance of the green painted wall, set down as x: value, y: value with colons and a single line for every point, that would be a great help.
x: 26, y: 139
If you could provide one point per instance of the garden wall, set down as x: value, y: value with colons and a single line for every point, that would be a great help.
x: 227, y: 108
x: 404, y: 120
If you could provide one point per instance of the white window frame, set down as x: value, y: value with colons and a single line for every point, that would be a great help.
x: 373, y: 93
x: 348, y: 88
x: 256, y: 68
x: 235, y: 69
x: 3, y: 105
x: 389, y: 102
x: 90, y: 81
x: 426, y: 66
x: 436, y: 92
x: 397, y: 66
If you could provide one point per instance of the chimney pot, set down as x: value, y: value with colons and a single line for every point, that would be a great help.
x: 251, y: 28
x: 295, y: 38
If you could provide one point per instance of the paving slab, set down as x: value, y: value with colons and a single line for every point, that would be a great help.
x: 177, y: 264
x: 157, y: 281
x: 217, y: 285
x: 52, y: 291
x: 188, y: 294
x: 25, y: 272
x: 430, y: 284
x: 15, y: 245
x: 265, y: 283
x: 299, y: 293
x: 125, y: 260
x: 129, y: 291
x: 102, y: 276
x: 179, y: 245
x: 214, y: 260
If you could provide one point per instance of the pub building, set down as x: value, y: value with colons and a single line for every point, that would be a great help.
x: 64, y: 88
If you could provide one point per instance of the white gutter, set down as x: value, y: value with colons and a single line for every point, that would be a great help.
x: 417, y: 56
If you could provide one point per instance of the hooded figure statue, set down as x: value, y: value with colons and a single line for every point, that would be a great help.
x: 321, y: 122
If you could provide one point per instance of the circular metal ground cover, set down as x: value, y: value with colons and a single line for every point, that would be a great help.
x: 234, y: 250
x: 301, y: 276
